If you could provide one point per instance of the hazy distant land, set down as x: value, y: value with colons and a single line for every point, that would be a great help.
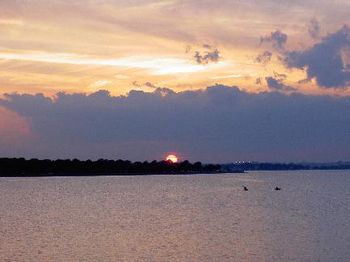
x: 265, y: 166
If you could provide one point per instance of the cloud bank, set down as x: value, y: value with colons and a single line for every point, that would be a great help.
x: 218, y: 124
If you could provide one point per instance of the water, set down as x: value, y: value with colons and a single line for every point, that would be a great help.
x: 177, y: 218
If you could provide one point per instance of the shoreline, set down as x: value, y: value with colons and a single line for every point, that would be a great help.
x: 116, y: 174
x: 29, y: 175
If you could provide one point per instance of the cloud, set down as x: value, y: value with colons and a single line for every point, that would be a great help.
x: 211, y: 55
x: 277, y: 38
x: 326, y: 61
x: 152, y: 86
x: 219, y: 123
x: 136, y: 84
x: 163, y: 91
x: 276, y: 84
x: 258, y: 81
x: 100, y: 83
x: 280, y: 76
x: 314, y: 28
x: 207, y: 46
x: 264, y: 57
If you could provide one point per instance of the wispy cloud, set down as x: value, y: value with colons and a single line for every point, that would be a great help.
x: 314, y: 28
x: 157, y: 66
x: 264, y: 57
x: 227, y: 76
x: 277, y: 38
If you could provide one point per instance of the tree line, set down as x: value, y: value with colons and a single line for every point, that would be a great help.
x: 46, y: 167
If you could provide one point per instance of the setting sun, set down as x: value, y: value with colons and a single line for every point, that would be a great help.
x: 172, y: 158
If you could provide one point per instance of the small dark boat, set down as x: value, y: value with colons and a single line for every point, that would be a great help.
x: 245, y: 188
x: 277, y: 188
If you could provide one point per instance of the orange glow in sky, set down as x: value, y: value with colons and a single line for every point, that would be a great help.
x: 121, y: 46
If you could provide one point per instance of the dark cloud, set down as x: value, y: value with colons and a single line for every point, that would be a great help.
x: 276, y: 84
x: 146, y: 84
x: 149, y: 84
x: 264, y: 57
x: 219, y: 123
x: 210, y: 55
x: 277, y: 38
x: 163, y: 91
x: 304, y: 81
x: 155, y: 86
x: 136, y: 84
x: 326, y: 60
x: 314, y: 28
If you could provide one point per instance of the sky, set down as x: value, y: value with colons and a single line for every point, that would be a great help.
x: 211, y: 81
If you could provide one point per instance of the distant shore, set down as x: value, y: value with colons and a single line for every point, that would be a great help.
x: 258, y: 166
x: 117, y: 174
x: 20, y: 167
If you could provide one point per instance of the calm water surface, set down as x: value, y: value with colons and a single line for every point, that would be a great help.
x: 177, y: 218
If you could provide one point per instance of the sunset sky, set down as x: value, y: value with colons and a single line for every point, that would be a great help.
x: 283, y: 64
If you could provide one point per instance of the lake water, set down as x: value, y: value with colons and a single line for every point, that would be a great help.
x: 177, y: 218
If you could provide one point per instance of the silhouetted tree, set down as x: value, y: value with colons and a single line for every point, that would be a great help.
x: 22, y: 167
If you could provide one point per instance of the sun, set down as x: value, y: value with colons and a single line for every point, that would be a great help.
x: 172, y: 158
